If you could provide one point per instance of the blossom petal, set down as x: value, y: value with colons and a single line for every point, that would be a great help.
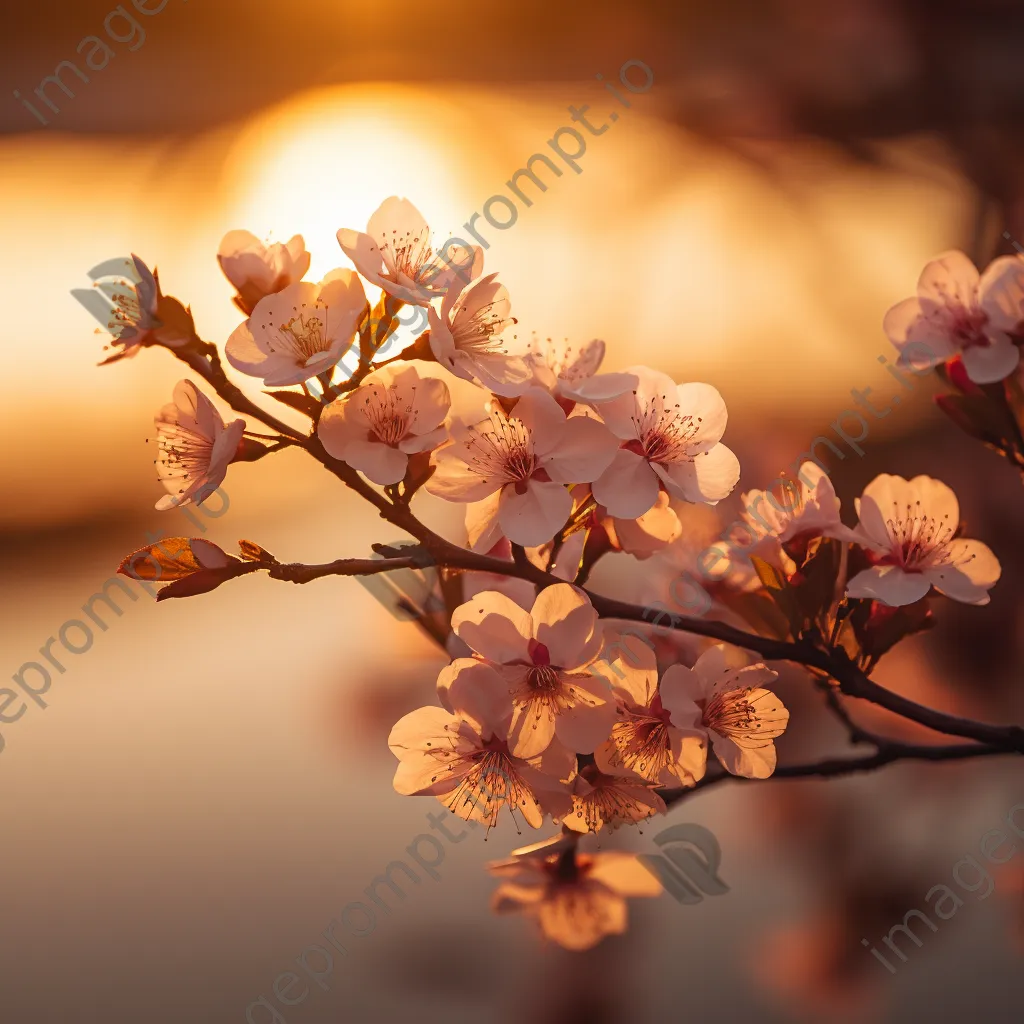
x: 710, y: 477
x: 583, y: 450
x: 1001, y: 294
x: 474, y: 687
x: 628, y: 487
x: 987, y: 365
x: 632, y: 670
x: 536, y: 515
x: 565, y: 621
x: 889, y: 584
x: 454, y: 480
x: 750, y: 762
x: 495, y: 627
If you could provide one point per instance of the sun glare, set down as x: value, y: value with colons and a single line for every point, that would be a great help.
x: 326, y: 161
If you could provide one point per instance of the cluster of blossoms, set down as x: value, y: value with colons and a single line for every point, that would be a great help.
x: 547, y: 709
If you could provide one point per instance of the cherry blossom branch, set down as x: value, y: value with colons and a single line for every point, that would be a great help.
x: 296, y: 572
x: 888, y: 753
x: 835, y: 663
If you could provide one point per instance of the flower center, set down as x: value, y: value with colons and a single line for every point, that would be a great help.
x: 475, y: 332
x: 182, y: 454
x: 406, y: 254
x: 544, y: 678
x: 664, y: 434
x: 305, y: 334
x: 642, y: 746
x: 388, y: 413
x: 505, y: 451
x: 917, y: 537
x: 730, y: 714
x: 967, y: 328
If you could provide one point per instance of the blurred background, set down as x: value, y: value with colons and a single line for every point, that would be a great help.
x: 210, y: 782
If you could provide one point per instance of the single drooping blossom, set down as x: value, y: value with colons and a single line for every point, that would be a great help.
x: 909, y: 529
x: 137, y: 313
x: 724, y: 697
x: 959, y: 312
x: 464, y: 760
x: 528, y: 456
x: 395, y: 254
x: 570, y: 373
x: 299, y: 332
x: 608, y: 801
x: 576, y: 898
x: 194, y: 446
x: 465, y: 337
x: 257, y: 270
x: 670, y: 439
x: 647, y: 739
x: 539, y: 658
x: 395, y: 413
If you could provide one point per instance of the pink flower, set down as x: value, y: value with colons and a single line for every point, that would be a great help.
x: 956, y: 311
x: 528, y: 456
x: 464, y: 761
x: 724, y: 696
x: 571, y: 374
x: 539, y: 658
x: 607, y: 801
x: 577, y: 899
x: 464, y: 336
x: 395, y: 254
x: 299, y: 332
x: 195, y: 447
x: 395, y: 413
x: 670, y: 439
x: 257, y: 270
x: 648, y: 740
x: 801, y: 508
x: 910, y: 529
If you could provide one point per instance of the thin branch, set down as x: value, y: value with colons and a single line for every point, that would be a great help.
x: 839, y: 766
x: 296, y: 572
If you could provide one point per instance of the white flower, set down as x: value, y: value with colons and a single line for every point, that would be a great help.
x: 670, y: 438
x: 195, y: 447
x: 395, y: 254
x: 725, y: 697
x: 801, y: 508
x: 956, y: 311
x: 648, y: 740
x: 529, y: 457
x: 299, y: 332
x: 257, y: 270
x: 464, y: 337
x: 464, y: 761
x: 570, y: 374
x: 575, y: 898
x: 541, y: 660
x: 910, y: 529
x: 395, y: 413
